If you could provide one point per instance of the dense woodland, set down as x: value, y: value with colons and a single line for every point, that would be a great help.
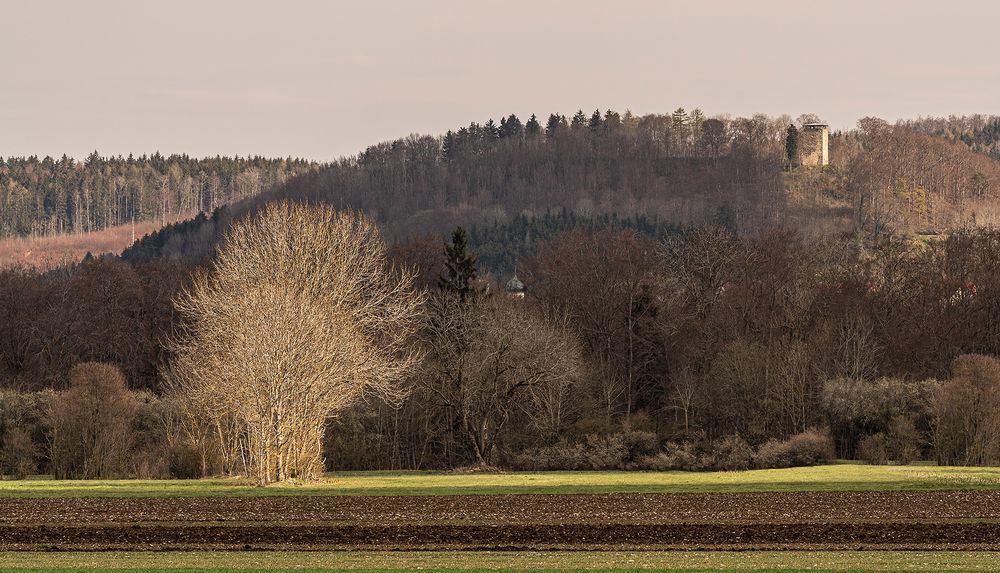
x: 689, y: 341
x: 712, y: 309
x: 43, y: 197
x: 980, y: 132
x: 681, y: 170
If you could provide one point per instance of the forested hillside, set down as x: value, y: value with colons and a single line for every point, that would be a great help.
x: 678, y: 169
x: 980, y: 132
x: 44, y: 197
x: 681, y: 170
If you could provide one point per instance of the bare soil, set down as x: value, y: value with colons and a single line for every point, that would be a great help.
x: 820, y: 520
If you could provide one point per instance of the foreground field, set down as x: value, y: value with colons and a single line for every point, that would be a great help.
x: 807, y: 513
x: 839, y: 477
x: 503, y: 561
x: 924, y: 521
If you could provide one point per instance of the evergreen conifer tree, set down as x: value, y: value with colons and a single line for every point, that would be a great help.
x: 792, y: 145
x: 532, y: 128
x: 595, y: 120
x: 460, y: 266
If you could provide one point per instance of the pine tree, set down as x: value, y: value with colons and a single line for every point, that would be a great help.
x: 552, y: 126
x: 532, y: 128
x: 460, y: 266
x: 511, y: 127
x: 579, y: 120
x: 792, y: 145
x: 595, y: 120
x: 448, y: 146
x: 612, y: 119
x: 492, y: 131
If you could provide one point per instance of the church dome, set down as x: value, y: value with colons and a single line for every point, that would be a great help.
x: 514, y: 285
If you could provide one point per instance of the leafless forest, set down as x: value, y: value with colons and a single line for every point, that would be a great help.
x: 693, y: 300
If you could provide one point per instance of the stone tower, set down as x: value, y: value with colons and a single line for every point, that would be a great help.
x: 814, y: 144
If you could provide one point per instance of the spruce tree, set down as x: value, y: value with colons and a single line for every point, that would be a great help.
x: 532, y: 128
x: 460, y: 266
x: 595, y: 120
x: 555, y: 121
x: 792, y: 145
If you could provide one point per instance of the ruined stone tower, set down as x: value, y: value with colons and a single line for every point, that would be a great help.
x: 814, y: 144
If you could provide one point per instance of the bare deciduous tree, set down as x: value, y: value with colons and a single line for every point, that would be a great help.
x: 299, y: 317
x: 91, y: 424
x: 493, y: 360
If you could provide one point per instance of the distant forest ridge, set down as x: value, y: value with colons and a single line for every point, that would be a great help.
x: 519, y: 179
x: 980, y: 132
x: 45, y: 197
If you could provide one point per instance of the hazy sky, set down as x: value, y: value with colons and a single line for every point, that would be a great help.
x: 325, y: 79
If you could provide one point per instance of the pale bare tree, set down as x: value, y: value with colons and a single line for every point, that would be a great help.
x: 299, y: 317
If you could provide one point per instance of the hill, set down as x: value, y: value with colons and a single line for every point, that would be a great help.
x: 650, y: 173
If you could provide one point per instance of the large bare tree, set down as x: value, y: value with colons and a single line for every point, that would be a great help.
x: 299, y: 316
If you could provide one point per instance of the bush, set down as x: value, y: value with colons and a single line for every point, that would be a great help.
x: 20, y: 455
x: 806, y: 449
x: 903, y: 440
x: 618, y: 451
x: 683, y: 456
x: 874, y: 449
x: 732, y: 453
x: 727, y: 454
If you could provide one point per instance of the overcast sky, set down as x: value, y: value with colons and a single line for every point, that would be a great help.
x: 325, y: 79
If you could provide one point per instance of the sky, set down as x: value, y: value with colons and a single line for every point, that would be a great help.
x: 325, y: 79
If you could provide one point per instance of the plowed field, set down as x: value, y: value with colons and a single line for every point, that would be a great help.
x: 801, y: 520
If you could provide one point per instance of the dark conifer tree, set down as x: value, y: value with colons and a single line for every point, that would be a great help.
x: 595, y: 120
x: 448, y: 146
x: 792, y: 145
x: 460, y: 266
x: 532, y: 128
x: 552, y: 126
x: 511, y: 127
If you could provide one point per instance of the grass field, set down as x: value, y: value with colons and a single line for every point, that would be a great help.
x: 502, y: 561
x: 838, y: 477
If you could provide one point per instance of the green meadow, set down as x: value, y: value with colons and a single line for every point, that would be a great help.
x: 837, y: 477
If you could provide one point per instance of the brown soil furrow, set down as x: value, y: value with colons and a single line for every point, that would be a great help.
x: 504, y: 537
x: 778, y: 508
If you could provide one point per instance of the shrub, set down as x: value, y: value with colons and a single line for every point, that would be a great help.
x: 20, y: 455
x: 727, y: 454
x: 805, y: 449
x: 683, y: 456
x: 874, y: 449
x: 732, y: 453
x: 903, y: 440
x: 621, y: 450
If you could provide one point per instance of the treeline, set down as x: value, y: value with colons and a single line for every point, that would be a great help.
x: 980, y: 132
x: 102, y: 310
x: 42, y: 197
x: 898, y: 180
x: 711, y: 336
x: 642, y: 352
x: 499, y: 246
x: 679, y: 169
